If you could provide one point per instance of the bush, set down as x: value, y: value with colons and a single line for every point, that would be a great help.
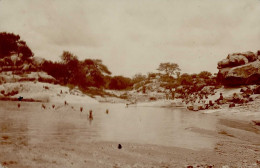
x: 120, y: 83
x: 152, y: 98
x: 12, y: 93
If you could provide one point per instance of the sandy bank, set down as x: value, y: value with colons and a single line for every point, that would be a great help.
x: 46, y: 92
x: 228, y: 151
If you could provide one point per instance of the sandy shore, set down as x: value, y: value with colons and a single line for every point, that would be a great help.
x: 238, y: 145
x: 230, y: 151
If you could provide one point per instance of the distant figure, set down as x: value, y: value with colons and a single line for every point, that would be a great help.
x: 90, y: 115
x: 232, y: 105
x: 60, y: 91
x: 81, y: 109
x: 206, y: 106
x: 107, y: 111
x: 220, y: 96
x: 173, y: 95
x: 126, y: 105
x: 53, y: 106
x: 43, y: 106
x: 65, y: 102
x: 20, y: 98
x: 119, y: 146
x: 18, y: 105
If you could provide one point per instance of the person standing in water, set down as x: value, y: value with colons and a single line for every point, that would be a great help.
x: 90, y: 115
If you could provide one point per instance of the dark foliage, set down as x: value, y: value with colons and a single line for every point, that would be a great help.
x: 120, y: 83
x: 11, y: 44
x: 84, y: 74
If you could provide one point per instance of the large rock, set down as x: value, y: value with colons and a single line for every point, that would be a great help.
x: 223, y: 63
x: 250, y: 56
x: 237, y: 59
x: 241, y: 75
x: 240, y: 69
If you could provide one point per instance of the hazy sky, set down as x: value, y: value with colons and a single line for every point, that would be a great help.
x: 132, y: 36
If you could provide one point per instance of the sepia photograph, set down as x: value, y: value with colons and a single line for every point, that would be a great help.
x: 129, y: 83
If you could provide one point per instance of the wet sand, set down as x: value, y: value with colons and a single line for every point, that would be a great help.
x: 237, y: 145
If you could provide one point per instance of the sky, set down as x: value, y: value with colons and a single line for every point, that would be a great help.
x: 135, y: 36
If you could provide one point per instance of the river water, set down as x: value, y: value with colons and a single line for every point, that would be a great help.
x: 144, y: 125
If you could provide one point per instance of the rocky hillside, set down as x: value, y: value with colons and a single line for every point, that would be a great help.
x: 24, y: 78
x: 240, y: 75
x: 240, y: 69
x: 149, y: 90
x: 43, y: 92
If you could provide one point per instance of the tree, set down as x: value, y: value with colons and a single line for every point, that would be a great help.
x: 170, y: 69
x: 95, y: 64
x: 8, y: 43
x: 138, y: 78
x: 96, y: 70
x: 24, y: 50
x: 11, y: 44
x: 204, y: 75
x: 185, y: 79
x: 83, y: 74
x: 120, y: 83
x: 72, y: 67
x: 68, y: 57
x: 57, y: 70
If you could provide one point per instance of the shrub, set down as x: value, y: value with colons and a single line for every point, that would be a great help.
x: 152, y: 98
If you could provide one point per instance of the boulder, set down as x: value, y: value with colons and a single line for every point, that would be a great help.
x: 202, y: 107
x: 206, y: 90
x: 238, y: 98
x: 215, y: 106
x: 190, y: 107
x: 250, y: 56
x: 241, y: 75
x: 223, y: 63
x: 236, y: 60
x: 243, y: 89
x: 240, y: 69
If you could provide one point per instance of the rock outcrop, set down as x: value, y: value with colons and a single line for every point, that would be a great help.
x: 240, y: 69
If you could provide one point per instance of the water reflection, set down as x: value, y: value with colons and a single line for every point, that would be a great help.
x: 163, y: 126
x: 146, y: 125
